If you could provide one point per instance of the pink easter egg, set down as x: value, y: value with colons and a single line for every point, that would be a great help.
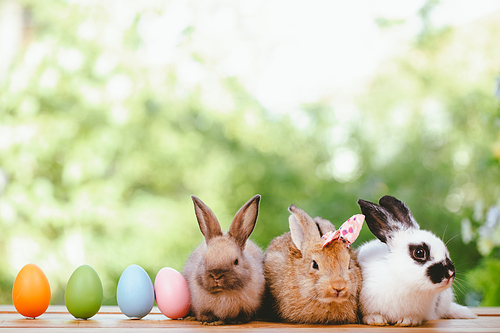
x: 172, y: 293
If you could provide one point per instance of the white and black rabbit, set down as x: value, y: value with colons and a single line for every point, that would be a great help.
x: 407, y: 272
x: 225, y: 273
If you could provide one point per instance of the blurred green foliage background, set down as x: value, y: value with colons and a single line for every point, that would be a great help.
x: 100, y: 149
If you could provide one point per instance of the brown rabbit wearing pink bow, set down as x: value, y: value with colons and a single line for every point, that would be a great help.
x: 312, y: 274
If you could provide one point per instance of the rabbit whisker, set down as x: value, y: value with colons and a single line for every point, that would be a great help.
x: 460, y: 288
x: 304, y: 308
x: 353, y: 301
x: 444, y: 232
x: 463, y: 285
x: 312, y: 299
x: 452, y: 238
x: 463, y: 282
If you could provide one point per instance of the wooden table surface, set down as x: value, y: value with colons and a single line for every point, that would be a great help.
x: 110, y: 319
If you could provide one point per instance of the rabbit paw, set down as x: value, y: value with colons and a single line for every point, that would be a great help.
x: 242, y: 318
x: 208, y: 318
x: 214, y: 323
x: 375, y: 320
x: 408, y: 321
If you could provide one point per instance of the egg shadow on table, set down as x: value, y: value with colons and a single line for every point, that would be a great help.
x: 26, y: 319
x: 83, y: 321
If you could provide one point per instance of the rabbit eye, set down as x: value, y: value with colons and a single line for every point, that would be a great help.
x: 236, y: 262
x: 315, y: 265
x: 420, y: 253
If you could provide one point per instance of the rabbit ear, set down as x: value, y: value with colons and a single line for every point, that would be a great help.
x: 399, y: 210
x: 324, y: 226
x: 302, y: 227
x: 384, y: 220
x: 209, y: 225
x: 244, y: 221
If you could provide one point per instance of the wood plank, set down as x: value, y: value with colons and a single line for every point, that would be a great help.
x: 57, y: 318
x: 486, y: 311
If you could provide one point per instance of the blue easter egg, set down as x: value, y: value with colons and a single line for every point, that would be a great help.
x: 135, y: 293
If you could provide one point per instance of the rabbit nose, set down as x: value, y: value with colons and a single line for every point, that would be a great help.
x: 217, y: 277
x: 337, y: 291
x: 337, y: 288
x: 451, y: 269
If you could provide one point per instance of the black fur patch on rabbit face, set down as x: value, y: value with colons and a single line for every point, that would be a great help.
x: 419, y: 252
x: 441, y: 271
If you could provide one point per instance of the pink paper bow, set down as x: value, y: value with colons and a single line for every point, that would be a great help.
x: 347, y: 233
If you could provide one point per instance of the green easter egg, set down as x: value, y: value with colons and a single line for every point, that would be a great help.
x: 83, y: 295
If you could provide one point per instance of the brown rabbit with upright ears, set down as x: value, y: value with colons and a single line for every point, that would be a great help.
x: 225, y: 273
x: 312, y: 279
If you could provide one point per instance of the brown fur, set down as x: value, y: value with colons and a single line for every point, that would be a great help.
x: 222, y: 291
x: 303, y: 294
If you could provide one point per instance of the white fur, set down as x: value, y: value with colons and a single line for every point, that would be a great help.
x: 396, y: 289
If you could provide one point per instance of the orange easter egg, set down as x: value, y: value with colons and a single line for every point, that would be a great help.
x: 31, y: 291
